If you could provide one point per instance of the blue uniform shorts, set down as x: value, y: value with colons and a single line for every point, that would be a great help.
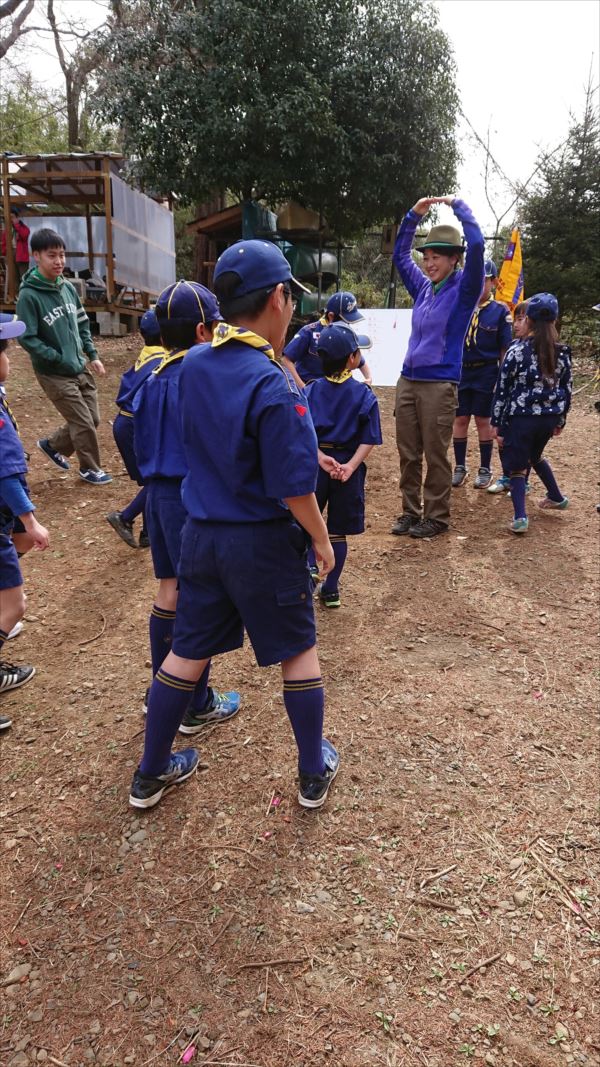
x: 10, y: 571
x: 525, y: 438
x: 476, y: 390
x: 165, y: 518
x: 236, y: 575
x: 345, y: 500
x: 123, y: 435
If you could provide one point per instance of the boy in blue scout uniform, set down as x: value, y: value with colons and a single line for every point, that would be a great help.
x: 488, y: 337
x: 300, y: 355
x: 186, y: 313
x: 251, y: 450
x: 150, y: 355
x: 15, y: 505
x: 345, y: 414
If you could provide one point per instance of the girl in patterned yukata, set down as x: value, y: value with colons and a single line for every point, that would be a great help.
x: 531, y: 402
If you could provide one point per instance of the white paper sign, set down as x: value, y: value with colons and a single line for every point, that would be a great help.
x: 389, y: 330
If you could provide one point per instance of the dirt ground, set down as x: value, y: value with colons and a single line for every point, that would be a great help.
x: 441, y: 909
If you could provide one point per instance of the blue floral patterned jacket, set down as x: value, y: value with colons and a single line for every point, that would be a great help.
x: 521, y: 389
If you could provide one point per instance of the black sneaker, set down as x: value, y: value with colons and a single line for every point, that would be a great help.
x: 330, y: 599
x: 219, y: 708
x: 428, y: 528
x: 144, y: 540
x: 403, y: 524
x: 124, y: 529
x: 12, y: 677
x: 459, y: 476
x: 146, y: 792
x: 5, y: 722
x: 52, y: 454
x: 315, y: 787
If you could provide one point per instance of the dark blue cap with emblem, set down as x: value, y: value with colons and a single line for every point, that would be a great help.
x: 344, y: 306
x: 543, y: 307
x: 339, y: 341
x: 258, y: 264
x: 490, y: 269
x: 190, y: 301
x: 149, y: 324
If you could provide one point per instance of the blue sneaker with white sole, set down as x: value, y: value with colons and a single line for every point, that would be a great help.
x: 315, y: 787
x: 519, y: 526
x: 220, y: 707
x: 147, y: 791
x: 95, y: 477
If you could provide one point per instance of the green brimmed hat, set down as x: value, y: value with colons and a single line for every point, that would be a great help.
x: 446, y: 239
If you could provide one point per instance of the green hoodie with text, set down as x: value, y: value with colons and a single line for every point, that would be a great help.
x: 57, y: 337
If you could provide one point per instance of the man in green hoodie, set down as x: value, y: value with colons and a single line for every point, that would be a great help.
x: 59, y: 342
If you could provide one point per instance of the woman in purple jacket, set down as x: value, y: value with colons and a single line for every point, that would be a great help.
x: 445, y: 297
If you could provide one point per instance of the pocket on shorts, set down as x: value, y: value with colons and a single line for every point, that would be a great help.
x: 297, y: 538
x: 292, y: 596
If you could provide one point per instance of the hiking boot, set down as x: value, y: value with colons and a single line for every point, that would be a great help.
x: 124, y: 529
x: 483, y: 478
x: 403, y: 524
x: 146, y: 791
x: 459, y: 476
x: 144, y: 540
x: 501, y: 485
x: 5, y: 722
x: 219, y: 708
x: 314, y: 788
x: 546, y: 505
x: 95, y: 477
x: 329, y: 599
x: 52, y: 454
x: 428, y: 528
x: 519, y: 526
x: 16, y: 630
x: 12, y: 677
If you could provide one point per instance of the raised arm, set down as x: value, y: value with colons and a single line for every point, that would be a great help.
x: 471, y: 282
x: 411, y: 276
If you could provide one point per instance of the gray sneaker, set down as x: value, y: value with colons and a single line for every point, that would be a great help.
x: 484, y: 478
x: 460, y: 476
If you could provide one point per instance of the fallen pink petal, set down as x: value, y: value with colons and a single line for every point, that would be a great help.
x: 189, y: 1054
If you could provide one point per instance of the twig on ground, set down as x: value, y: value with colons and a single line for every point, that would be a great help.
x: 272, y: 963
x: 96, y: 636
x: 438, y: 874
x: 264, y: 1008
x: 133, y: 737
x: 443, y: 904
x: 13, y: 928
x: 221, y: 931
x: 478, y: 966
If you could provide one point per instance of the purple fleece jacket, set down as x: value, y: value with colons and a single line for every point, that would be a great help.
x: 440, y: 320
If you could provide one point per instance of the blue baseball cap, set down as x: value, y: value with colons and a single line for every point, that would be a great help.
x: 490, y: 269
x: 543, y: 307
x: 190, y: 301
x: 339, y: 341
x: 258, y: 264
x: 10, y: 326
x: 149, y: 323
x: 345, y: 307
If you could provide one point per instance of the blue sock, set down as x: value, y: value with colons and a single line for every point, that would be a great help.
x: 201, y: 694
x: 304, y: 703
x: 167, y: 704
x: 460, y: 450
x: 340, y: 551
x: 546, y: 475
x: 517, y: 494
x: 485, y: 451
x: 161, y: 635
x: 136, y: 506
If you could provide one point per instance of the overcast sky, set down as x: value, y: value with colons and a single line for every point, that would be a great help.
x: 522, y: 67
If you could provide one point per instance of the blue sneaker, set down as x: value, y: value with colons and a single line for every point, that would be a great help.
x: 501, y: 485
x: 95, y: 477
x: 220, y: 708
x: 519, y: 526
x: 146, y: 791
x: 52, y: 454
x: 548, y: 505
x: 315, y: 787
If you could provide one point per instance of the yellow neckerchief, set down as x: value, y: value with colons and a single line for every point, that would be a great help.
x: 170, y: 357
x: 224, y: 333
x: 149, y: 352
x: 4, y: 403
x: 324, y: 321
x: 341, y: 376
x: 474, y: 323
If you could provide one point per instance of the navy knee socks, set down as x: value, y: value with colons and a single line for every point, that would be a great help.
x: 136, y: 506
x: 340, y: 551
x: 546, y: 475
x: 460, y: 450
x: 517, y: 494
x: 167, y: 704
x: 485, y: 452
x: 304, y: 703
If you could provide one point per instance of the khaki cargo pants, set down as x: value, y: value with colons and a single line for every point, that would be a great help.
x: 425, y: 413
x: 77, y: 401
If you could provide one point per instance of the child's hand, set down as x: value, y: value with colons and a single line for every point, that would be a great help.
x: 346, y: 472
x: 97, y: 366
x: 39, y: 533
x: 324, y: 556
x: 329, y: 465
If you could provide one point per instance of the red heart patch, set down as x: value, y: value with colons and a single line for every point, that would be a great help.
x: 301, y: 410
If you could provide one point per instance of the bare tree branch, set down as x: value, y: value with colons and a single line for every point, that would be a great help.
x: 9, y: 7
x: 16, y: 30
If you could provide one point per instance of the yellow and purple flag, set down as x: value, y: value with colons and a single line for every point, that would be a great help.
x: 510, y: 289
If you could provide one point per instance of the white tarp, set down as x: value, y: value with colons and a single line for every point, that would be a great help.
x: 143, y: 239
x: 389, y: 331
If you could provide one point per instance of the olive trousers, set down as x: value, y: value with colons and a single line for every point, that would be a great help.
x: 425, y: 414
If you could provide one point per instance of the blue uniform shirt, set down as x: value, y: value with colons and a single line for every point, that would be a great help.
x: 489, y: 333
x: 136, y: 376
x: 302, y: 351
x: 247, y: 433
x: 345, y: 414
x: 157, y: 437
x: 13, y: 464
